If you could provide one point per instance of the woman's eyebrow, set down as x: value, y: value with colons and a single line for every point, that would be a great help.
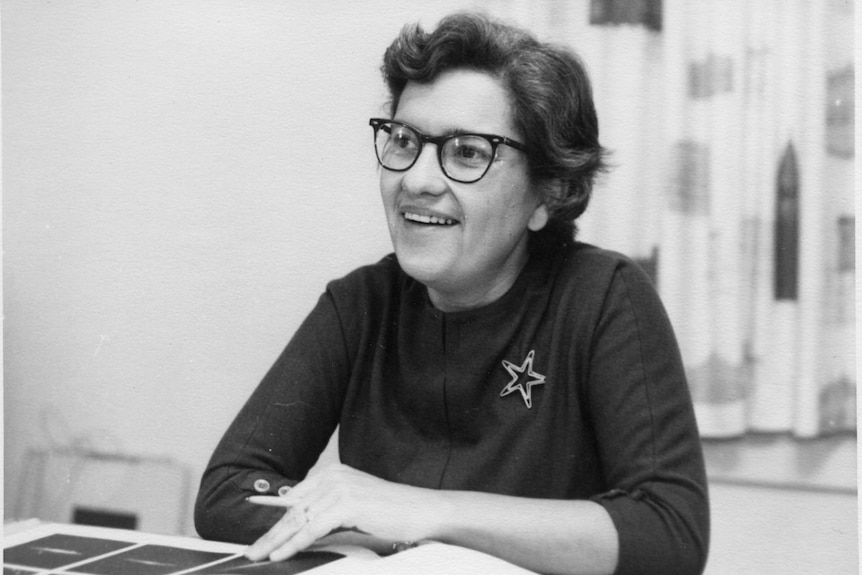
x: 451, y: 131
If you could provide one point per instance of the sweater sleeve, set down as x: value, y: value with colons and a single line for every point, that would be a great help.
x: 647, y: 434
x: 278, y: 434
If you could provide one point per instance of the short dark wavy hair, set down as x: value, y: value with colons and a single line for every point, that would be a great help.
x: 551, y: 99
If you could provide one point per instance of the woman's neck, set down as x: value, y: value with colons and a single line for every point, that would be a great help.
x: 479, y: 293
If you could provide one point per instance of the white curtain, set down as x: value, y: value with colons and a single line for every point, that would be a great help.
x: 732, y: 135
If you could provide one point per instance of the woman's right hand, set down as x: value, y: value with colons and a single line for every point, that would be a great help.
x: 337, y: 498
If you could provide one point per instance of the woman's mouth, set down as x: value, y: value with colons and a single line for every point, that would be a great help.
x: 429, y: 220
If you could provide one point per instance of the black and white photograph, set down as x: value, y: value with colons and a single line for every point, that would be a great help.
x: 446, y: 287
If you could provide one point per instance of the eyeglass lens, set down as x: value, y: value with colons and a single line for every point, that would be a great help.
x: 464, y: 158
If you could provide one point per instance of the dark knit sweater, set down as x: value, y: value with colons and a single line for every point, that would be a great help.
x: 570, y: 386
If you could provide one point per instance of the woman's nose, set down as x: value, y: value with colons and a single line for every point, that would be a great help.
x: 425, y: 176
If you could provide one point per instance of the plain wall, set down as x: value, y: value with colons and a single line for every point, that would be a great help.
x: 169, y: 217
x: 181, y: 179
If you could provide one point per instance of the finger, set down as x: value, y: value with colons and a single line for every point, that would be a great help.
x: 314, y: 528
x: 281, y: 532
x: 274, y: 500
x: 286, y: 527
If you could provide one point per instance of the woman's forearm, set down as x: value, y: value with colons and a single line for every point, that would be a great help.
x: 548, y: 536
x: 543, y: 535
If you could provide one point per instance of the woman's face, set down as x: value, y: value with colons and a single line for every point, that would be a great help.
x: 466, y: 242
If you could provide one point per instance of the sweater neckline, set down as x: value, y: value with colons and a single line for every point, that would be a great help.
x: 533, y: 269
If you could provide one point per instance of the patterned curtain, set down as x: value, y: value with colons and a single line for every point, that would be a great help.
x: 731, y: 124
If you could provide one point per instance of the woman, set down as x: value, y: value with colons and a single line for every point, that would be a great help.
x: 498, y: 385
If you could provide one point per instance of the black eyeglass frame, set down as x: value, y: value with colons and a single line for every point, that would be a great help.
x: 439, y: 141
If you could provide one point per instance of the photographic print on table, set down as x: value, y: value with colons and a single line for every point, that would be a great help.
x: 150, y: 560
x: 17, y: 571
x: 59, y: 550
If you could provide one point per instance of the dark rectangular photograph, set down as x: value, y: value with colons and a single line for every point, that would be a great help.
x: 150, y: 560
x: 59, y: 550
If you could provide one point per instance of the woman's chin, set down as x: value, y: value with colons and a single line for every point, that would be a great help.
x: 424, y: 268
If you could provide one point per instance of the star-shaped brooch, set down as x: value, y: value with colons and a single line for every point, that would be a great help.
x: 516, y: 371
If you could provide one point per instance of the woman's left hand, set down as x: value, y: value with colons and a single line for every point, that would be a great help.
x: 339, y: 497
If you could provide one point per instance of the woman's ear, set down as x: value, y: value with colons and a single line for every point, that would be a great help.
x: 550, y: 192
x: 539, y: 218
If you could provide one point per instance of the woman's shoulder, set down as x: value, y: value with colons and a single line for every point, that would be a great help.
x: 379, y: 279
x: 586, y: 258
x: 589, y: 283
x: 590, y: 268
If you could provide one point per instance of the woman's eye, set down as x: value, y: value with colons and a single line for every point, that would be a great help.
x: 402, y: 141
x: 470, y: 153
